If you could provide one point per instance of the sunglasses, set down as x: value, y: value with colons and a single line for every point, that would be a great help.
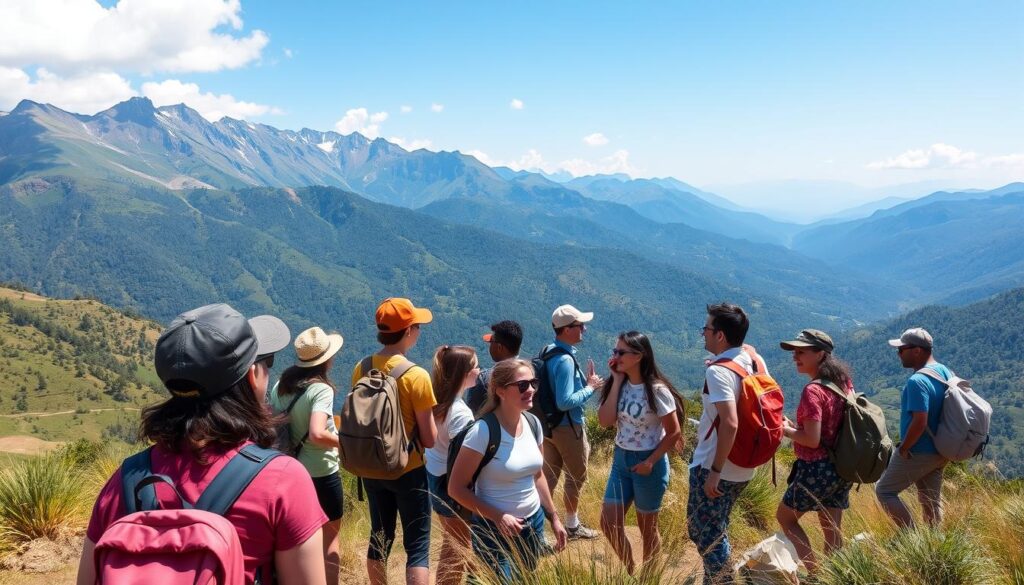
x: 621, y: 352
x: 705, y: 329
x: 903, y: 348
x: 267, y: 361
x: 575, y: 325
x: 524, y: 384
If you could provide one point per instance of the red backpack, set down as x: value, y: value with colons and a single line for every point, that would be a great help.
x: 194, y: 544
x: 759, y: 412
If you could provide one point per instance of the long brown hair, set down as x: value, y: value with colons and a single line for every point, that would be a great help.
x: 503, y: 374
x: 195, y: 424
x: 452, y: 363
x: 835, y: 370
x: 649, y: 371
x: 296, y: 379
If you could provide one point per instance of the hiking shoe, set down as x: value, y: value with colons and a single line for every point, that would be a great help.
x: 581, y: 532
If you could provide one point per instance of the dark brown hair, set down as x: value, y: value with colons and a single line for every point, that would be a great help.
x: 296, y: 379
x: 648, y: 368
x: 195, y: 424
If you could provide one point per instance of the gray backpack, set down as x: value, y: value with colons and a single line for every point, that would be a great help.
x: 862, y: 446
x: 965, y: 419
x: 371, y: 432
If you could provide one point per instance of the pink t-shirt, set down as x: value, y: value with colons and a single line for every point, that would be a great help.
x: 278, y: 511
x: 819, y: 403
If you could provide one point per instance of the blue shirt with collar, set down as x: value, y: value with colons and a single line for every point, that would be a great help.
x: 568, y: 384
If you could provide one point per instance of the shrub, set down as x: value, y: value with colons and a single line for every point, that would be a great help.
x: 857, y: 563
x: 39, y: 497
x: 757, y: 502
x: 924, y: 556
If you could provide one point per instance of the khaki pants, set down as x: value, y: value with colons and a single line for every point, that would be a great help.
x: 564, y: 450
x: 923, y: 470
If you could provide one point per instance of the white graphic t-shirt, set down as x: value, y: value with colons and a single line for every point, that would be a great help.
x: 639, y: 426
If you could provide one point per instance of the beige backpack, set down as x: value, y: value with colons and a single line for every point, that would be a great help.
x: 374, y: 444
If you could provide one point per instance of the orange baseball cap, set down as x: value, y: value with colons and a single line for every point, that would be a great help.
x: 396, y: 314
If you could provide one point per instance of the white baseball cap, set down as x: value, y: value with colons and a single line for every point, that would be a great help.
x: 567, y: 315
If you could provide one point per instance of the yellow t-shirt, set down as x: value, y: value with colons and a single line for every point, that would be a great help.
x: 415, y: 392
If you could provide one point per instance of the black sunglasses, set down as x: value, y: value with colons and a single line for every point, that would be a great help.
x: 621, y: 352
x: 524, y: 384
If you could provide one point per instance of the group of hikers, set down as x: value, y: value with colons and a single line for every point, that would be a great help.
x: 484, y: 450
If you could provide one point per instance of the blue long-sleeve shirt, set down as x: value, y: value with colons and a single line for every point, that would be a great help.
x: 568, y: 384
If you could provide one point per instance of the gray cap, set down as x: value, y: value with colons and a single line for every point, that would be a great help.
x: 915, y: 336
x: 812, y: 338
x: 205, y: 351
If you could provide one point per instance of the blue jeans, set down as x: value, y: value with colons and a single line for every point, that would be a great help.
x: 508, y: 556
x: 406, y: 496
x: 707, y: 522
x: 626, y: 487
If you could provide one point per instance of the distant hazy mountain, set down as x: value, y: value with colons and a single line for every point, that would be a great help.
x: 664, y: 201
x: 957, y: 246
x: 863, y: 210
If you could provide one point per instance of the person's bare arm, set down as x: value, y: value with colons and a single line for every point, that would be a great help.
x: 918, y: 424
x: 426, y: 428
x: 728, y: 422
x: 302, y: 564
x: 808, y: 436
x: 86, y: 566
x: 318, y: 433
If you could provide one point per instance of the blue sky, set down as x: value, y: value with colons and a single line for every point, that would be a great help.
x: 713, y: 93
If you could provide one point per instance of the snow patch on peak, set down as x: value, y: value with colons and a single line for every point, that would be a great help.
x: 327, y: 146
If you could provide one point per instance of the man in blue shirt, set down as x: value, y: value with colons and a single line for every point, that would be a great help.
x: 917, y: 461
x: 567, y: 446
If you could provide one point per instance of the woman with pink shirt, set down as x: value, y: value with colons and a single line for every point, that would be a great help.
x: 814, y: 484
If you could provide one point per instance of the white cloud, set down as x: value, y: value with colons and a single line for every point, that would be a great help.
x: 87, y: 93
x: 213, y: 107
x: 1006, y: 160
x: 937, y: 156
x: 437, y: 108
x: 362, y: 121
x: 140, y: 35
x: 533, y: 160
x: 405, y: 109
x: 288, y: 52
x: 516, y: 104
x: 413, y: 144
x: 595, y: 139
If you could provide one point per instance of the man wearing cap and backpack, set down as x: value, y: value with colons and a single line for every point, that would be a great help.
x: 917, y: 461
x: 716, y: 479
x: 503, y: 343
x: 397, y: 486
x: 209, y: 502
x: 559, y: 405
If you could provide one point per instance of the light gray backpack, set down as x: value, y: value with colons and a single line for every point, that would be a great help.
x: 862, y: 445
x: 965, y: 419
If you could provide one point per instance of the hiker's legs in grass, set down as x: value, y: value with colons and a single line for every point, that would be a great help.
x: 455, y: 545
x: 413, y: 498
x: 789, y: 520
x: 707, y: 523
x: 330, y: 496
x: 648, y: 524
x: 552, y: 464
x: 383, y: 517
x: 929, y: 494
x: 900, y: 475
x: 618, y: 497
x: 832, y: 527
x: 648, y: 494
x: 573, y: 451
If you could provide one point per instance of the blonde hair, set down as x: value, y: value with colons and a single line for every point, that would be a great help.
x: 503, y: 374
x: 452, y: 363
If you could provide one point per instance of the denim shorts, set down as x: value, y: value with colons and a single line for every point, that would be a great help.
x: 329, y: 494
x: 508, y: 556
x: 815, y: 485
x: 441, y: 503
x: 626, y: 487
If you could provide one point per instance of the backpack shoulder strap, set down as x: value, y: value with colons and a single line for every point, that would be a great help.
x: 295, y: 400
x: 732, y: 366
x: 534, y: 425
x: 400, y: 369
x: 548, y: 353
x: 234, y: 478
x: 493, y: 442
x: 133, y: 470
x: 831, y: 386
x: 366, y: 365
x: 933, y: 374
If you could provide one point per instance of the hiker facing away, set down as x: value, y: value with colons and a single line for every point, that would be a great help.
x: 215, y: 365
x: 305, y: 394
x: 917, y: 461
x: 638, y: 400
x: 510, y: 499
x: 716, y: 482
x: 407, y: 497
x: 814, y: 484
x: 503, y: 343
x: 455, y: 369
x: 566, y: 446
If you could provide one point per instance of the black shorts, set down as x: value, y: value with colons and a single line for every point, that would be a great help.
x: 329, y: 494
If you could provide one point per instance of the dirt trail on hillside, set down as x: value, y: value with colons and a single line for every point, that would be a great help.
x: 26, y: 445
x: 44, y: 414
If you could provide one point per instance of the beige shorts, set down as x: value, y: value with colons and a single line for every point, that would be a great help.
x: 564, y: 450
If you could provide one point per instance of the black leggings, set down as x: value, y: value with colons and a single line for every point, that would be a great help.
x: 409, y: 498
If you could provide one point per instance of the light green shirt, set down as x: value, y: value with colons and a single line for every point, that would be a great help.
x: 319, y: 397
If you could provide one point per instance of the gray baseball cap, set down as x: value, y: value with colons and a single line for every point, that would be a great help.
x: 915, y: 336
x: 205, y: 351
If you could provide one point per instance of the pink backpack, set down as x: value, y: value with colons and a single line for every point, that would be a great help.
x: 194, y: 545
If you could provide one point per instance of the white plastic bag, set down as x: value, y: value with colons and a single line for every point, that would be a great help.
x: 773, y: 561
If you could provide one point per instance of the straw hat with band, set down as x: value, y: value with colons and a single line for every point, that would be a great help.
x: 314, y: 347
x: 810, y: 338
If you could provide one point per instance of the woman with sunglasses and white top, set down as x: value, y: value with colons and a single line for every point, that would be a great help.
x: 640, y: 403
x: 511, y: 498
